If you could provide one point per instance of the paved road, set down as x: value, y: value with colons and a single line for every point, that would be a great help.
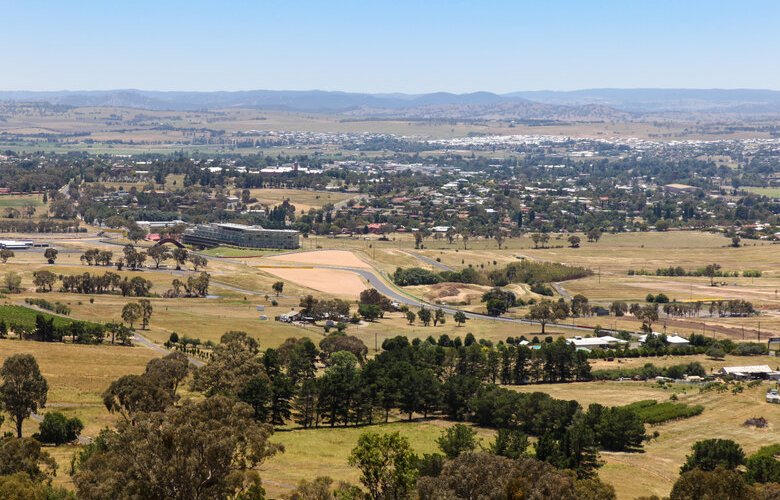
x: 429, y: 261
x: 389, y: 291
x: 377, y: 282
x: 343, y: 203
x: 561, y: 291
x: 137, y: 337
x: 143, y: 341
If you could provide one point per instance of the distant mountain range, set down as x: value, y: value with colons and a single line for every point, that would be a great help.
x: 592, y: 104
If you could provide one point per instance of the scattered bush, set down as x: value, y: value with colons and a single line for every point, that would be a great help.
x: 758, y: 422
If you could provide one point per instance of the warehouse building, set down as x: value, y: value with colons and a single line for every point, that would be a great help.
x: 755, y: 372
x: 240, y: 235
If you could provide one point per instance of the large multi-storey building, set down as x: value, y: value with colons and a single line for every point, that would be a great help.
x: 240, y: 235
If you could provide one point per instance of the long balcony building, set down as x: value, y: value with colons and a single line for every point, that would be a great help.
x: 240, y: 235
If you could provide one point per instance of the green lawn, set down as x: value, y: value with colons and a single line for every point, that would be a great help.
x: 772, y: 192
x: 19, y: 200
x: 237, y: 252
x: 25, y: 316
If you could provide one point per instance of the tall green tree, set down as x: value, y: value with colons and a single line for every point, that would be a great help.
x: 25, y: 456
x: 457, y: 439
x: 709, y: 454
x: 337, y: 388
x: 159, y: 254
x: 199, y: 450
x: 180, y: 256
x: 424, y: 315
x: 387, y: 465
x: 23, y: 389
x: 131, y: 312
x: 717, y: 484
x: 146, y: 312
x: 50, y: 254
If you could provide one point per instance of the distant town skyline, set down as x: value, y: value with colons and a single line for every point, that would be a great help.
x: 378, y: 47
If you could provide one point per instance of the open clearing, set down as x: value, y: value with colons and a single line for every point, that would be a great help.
x: 324, y: 452
x: 772, y: 192
x: 302, y: 199
x: 322, y: 258
x: 166, y: 131
x: 77, y: 376
x: 654, y: 471
x: 331, y: 281
x: 18, y: 202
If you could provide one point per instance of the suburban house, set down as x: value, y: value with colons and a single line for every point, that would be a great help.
x: 670, y: 339
x: 595, y: 342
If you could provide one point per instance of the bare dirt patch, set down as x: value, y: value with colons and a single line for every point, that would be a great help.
x: 322, y: 258
x: 450, y: 293
x: 331, y: 281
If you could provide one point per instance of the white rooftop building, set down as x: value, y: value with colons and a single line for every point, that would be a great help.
x: 754, y: 371
x: 670, y: 339
x: 588, y: 342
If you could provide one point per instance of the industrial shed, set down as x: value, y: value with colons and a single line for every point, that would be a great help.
x: 755, y: 372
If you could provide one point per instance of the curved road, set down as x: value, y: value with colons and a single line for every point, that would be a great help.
x: 374, y: 279
x: 389, y: 291
x: 431, y: 262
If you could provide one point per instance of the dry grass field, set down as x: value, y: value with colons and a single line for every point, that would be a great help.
x: 78, y: 374
x: 234, y: 278
x: 322, y: 258
x: 302, y: 199
x: 654, y: 470
x: 610, y: 259
x: 325, y: 451
x: 709, y: 364
x: 342, y: 284
x: 140, y: 131
x: 18, y: 202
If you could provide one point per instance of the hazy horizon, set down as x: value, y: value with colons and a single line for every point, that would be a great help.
x: 335, y: 90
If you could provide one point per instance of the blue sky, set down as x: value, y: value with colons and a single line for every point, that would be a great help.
x: 388, y: 46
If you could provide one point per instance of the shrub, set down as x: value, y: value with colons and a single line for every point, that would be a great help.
x: 652, y: 412
x: 710, y: 454
x: 749, y: 349
x: 758, y: 422
x: 57, y: 429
